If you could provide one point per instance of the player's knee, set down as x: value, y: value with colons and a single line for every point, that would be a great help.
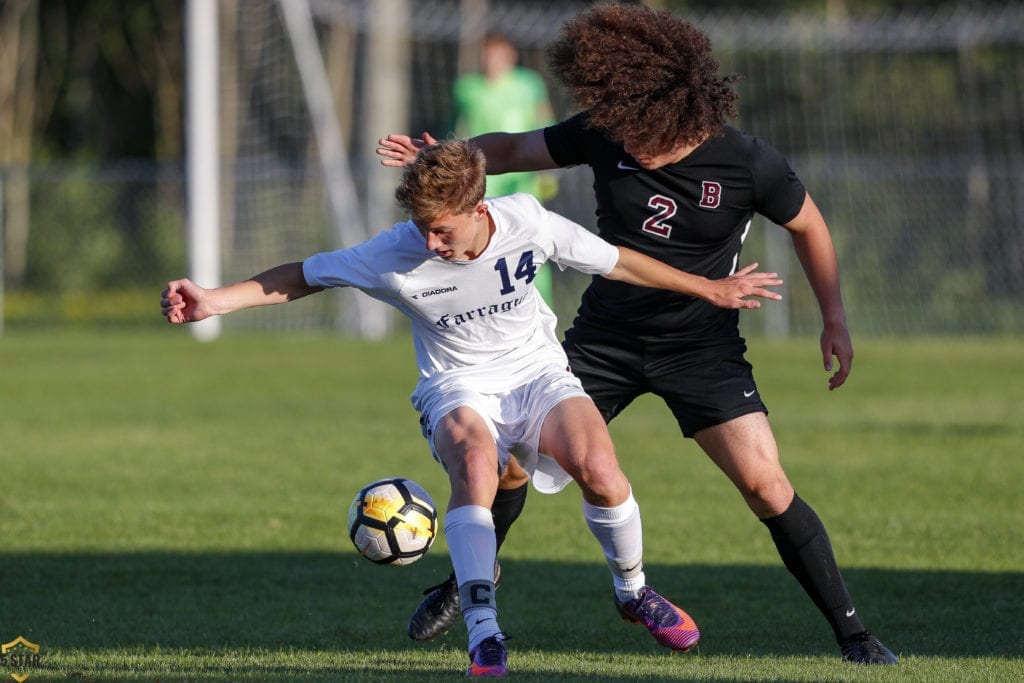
x: 472, y: 464
x: 599, y: 476
x: 768, y: 497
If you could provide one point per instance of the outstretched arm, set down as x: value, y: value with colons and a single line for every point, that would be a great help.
x: 186, y: 302
x: 728, y: 292
x: 505, y: 152
x: 813, y: 245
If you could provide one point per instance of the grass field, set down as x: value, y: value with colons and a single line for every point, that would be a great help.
x: 175, y: 511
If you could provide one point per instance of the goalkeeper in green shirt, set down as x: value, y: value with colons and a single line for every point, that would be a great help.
x: 506, y: 96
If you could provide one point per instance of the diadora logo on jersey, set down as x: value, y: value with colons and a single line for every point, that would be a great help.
x: 710, y: 194
x: 435, y: 292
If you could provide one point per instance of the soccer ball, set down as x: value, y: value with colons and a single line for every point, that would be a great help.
x: 392, y: 521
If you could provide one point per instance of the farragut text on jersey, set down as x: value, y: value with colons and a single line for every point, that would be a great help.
x: 446, y: 321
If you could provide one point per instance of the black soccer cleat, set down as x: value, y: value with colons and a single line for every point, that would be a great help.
x: 438, y: 612
x: 864, y: 648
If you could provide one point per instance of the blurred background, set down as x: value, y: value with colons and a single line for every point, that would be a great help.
x: 137, y: 136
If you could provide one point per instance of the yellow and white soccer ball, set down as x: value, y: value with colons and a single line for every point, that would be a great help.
x: 392, y: 521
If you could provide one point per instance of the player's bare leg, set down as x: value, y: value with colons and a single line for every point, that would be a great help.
x: 575, y: 434
x: 745, y: 449
x: 464, y: 443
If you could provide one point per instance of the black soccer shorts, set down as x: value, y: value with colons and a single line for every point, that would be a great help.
x: 704, y: 382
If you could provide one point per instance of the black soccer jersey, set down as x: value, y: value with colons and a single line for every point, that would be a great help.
x: 693, y: 214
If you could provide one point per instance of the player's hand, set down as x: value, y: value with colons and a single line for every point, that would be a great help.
x: 185, y: 302
x: 400, y: 150
x: 835, y: 342
x: 732, y: 291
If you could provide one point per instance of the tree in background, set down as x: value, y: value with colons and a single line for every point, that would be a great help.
x: 85, y: 81
x: 18, y: 56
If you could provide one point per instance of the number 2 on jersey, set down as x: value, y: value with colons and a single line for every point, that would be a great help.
x: 666, y: 208
x: 525, y: 270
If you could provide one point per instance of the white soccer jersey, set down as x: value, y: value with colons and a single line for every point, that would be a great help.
x: 481, y: 321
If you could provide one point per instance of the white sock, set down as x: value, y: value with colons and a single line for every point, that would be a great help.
x: 620, y: 533
x: 469, y: 531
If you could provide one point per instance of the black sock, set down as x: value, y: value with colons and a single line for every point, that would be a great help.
x: 803, y: 544
x: 508, y: 504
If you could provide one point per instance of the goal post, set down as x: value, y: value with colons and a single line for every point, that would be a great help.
x: 350, y: 226
x: 202, y: 154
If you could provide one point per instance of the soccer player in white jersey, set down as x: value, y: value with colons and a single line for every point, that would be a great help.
x: 493, y: 379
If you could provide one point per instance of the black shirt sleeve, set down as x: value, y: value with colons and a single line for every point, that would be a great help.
x: 778, y: 192
x: 567, y: 141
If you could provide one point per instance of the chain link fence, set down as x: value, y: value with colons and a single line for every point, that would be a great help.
x: 908, y: 130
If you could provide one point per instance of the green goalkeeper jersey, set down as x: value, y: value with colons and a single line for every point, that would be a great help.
x: 515, y: 102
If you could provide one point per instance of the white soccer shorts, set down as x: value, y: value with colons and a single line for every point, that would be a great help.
x: 514, y: 419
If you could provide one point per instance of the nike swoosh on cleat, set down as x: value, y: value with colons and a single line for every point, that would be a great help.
x: 624, y: 167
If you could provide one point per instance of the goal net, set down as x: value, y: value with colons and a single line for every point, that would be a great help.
x: 908, y: 130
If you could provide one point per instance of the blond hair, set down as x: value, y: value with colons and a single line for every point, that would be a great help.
x: 445, y: 178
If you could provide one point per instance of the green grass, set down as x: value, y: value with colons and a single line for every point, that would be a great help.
x: 171, y: 510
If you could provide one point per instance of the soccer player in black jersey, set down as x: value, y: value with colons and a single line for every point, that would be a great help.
x: 675, y: 182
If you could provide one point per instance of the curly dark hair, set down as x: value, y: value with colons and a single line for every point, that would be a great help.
x: 648, y: 77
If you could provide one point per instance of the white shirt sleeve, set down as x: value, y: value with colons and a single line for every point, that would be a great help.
x: 565, y: 243
x: 372, y: 265
x: 578, y: 248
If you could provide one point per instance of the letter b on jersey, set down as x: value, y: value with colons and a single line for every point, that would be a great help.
x: 710, y: 195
